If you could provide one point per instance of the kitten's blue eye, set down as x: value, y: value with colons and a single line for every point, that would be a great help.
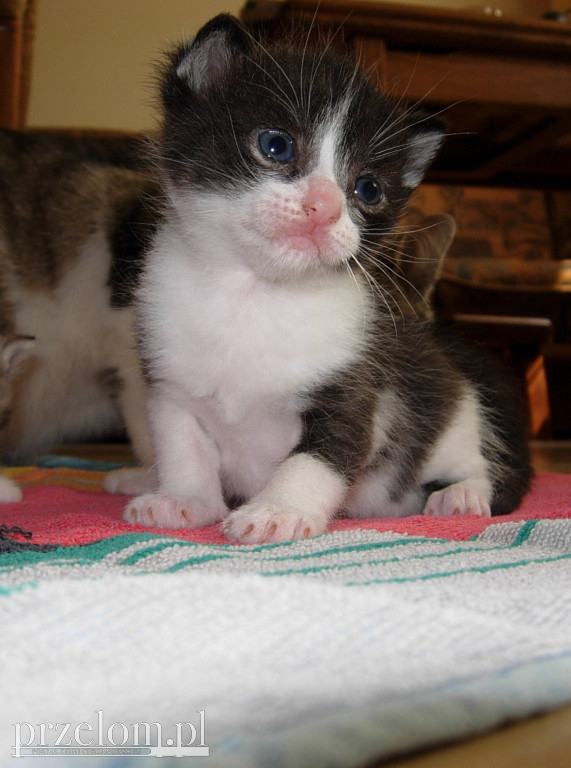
x: 277, y: 145
x: 368, y: 190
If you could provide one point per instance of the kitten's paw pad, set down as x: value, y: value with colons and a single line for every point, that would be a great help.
x: 130, y: 482
x: 158, y: 510
x: 9, y: 491
x: 257, y: 523
x: 457, y: 500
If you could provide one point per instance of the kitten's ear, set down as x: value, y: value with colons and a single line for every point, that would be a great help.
x: 208, y: 60
x: 427, y: 135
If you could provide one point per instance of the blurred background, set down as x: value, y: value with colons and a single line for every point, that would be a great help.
x: 93, y: 61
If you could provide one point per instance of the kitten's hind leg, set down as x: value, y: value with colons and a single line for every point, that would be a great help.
x: 463, y: 498
x: 458, y: 467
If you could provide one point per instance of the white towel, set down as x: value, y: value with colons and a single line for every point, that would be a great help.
x: 325, y: 652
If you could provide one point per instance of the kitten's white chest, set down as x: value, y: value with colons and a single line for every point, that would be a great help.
x: 242, y: 342
x: 242, y: 353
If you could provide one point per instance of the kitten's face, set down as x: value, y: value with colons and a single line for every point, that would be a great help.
x: 294, y: 153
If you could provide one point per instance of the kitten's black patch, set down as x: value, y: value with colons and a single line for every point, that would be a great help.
x: 129, y: 240
x: 411, y: 364
x: 337, y: 425
x: 502, y: 398
x: 436, y: 485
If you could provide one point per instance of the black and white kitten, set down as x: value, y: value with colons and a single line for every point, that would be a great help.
x: 285, y: 382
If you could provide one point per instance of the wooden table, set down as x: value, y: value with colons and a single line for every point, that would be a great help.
x: 508, y: 79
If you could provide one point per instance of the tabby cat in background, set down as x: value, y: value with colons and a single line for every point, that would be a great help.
x: 74, y: 216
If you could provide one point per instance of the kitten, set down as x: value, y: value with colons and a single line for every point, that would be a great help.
x: 287, y: 381
x: 72, y: 215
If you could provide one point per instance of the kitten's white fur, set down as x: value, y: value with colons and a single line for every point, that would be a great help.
x: 77, y: 335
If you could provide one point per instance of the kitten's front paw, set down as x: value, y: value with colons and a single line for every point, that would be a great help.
x: 457, y: 500
x: 258, y: 523
x: 160, y: 510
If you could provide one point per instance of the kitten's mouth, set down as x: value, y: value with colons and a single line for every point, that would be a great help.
x: 304, y: 244
x: 308, y: 225
x: 310, y: 249
x: 305, y: 226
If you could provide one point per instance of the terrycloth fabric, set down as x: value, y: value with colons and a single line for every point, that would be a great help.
x: 380, y: 637
x: 325, y: 652
x: 66, y: 505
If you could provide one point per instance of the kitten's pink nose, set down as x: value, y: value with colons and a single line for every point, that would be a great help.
x: 322, y: 202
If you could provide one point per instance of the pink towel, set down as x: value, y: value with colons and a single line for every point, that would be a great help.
x: 68, y: 507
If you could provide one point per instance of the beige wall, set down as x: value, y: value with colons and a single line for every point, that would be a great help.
x: 93, y: 59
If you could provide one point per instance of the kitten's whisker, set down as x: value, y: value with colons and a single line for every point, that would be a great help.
x: 389, y: 272
x: 383, y: 134
x: 410, y: 108
x: 395, y: 149
x: 284, y: 100
x: 361, y: 296
x: 287, y: 101
x: 379, y: 139
x: 242, y: 158
x: 400, y: 230
x: 185, y: 162
x: 279, y: 67
x: 329, y: 41
x: 374, y: 246
x: 376, y: 289
x: 388, y: 123
x: 398, y: 108
x: 306, y: 106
